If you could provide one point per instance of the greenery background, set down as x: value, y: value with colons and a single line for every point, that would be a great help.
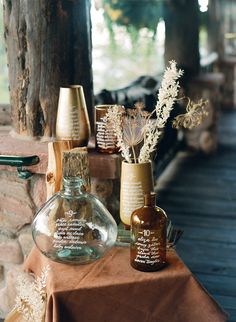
x: 117, y: 60
x: 115, y: 63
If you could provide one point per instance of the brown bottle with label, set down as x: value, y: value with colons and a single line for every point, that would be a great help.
x: 148, y: 236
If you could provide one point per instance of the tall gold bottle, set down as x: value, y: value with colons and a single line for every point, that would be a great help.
x: 72, y: 116
x: 148, y: 236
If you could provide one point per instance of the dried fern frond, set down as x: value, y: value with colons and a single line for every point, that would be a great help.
x: 195, y: 114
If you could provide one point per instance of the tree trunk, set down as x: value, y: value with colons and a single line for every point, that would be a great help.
x: 182, y: 34
x: 48, y: 46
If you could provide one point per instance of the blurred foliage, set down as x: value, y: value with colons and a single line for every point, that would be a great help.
x: 4, y: 93
x: 134, y: 15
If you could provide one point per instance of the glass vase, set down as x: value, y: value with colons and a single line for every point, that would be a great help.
x: 74, y: 226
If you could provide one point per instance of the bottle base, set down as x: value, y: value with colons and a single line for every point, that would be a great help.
x: 85, y: 255
x: 149, y: 268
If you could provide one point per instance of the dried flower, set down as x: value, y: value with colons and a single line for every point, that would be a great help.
x: 128, y: 126
x: 195, y: 113
x: 31, y: 298
x: 133, y: 127
x: 114, y: 118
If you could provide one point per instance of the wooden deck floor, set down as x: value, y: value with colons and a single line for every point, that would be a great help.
x: 199, y: 195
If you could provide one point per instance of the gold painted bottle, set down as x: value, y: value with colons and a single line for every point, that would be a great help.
x: 148, y: 236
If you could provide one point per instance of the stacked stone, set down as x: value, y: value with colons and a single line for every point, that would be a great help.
x: 19, y: 200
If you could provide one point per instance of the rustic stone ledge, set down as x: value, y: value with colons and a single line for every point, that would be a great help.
x: 102, y: 166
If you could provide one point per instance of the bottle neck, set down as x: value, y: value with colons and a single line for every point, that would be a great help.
x: 150, y: 199
x: 73, y: 186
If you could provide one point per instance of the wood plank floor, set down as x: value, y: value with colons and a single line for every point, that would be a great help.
x: 199, y: 195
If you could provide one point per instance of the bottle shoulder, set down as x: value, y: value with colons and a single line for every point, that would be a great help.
x: 148, y: 214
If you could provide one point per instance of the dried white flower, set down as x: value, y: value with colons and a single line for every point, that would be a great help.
x: 31, y: 298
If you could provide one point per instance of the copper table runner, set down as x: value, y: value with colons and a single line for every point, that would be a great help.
x: 110, y: 290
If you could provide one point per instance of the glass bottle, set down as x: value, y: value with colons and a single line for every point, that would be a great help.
x: 74, y: 226
x: 105, y: 139
x: 148, y: 236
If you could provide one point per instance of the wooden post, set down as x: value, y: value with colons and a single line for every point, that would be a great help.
x: 182, y: 34
x: 48, y: 46
x: 54, y: 171
x: 63, y: 160
x: 75, y: 163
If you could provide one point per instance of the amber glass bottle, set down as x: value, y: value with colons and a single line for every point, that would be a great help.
x: 148, y: 236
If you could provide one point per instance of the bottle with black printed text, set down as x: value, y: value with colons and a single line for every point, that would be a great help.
x: 148, y: 236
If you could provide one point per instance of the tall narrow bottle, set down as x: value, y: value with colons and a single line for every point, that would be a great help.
x: 148, y: 236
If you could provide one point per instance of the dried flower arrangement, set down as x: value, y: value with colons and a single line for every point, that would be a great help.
x: 30, y: 301
x: 134, y: 127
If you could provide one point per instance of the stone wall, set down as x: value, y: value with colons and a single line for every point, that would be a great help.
x: 19, y: 200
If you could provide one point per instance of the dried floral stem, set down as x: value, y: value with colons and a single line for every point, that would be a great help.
x: 134, y: 154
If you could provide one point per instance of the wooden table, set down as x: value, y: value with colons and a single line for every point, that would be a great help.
x: 110, y: 290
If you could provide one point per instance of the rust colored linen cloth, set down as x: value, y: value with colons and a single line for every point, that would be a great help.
x: 110, y: 290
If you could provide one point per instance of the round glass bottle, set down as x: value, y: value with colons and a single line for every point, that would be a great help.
x: 148, y: 236
x: 74, y: 226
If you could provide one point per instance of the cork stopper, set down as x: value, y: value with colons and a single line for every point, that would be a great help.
x: 150, y: 199
x: 75, y: 163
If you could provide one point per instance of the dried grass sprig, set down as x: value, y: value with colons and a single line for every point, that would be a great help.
x: 195, y: 113
x: 166, y: 98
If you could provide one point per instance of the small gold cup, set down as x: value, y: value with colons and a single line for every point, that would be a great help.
x: 72, y: 116
x: 105, y: 138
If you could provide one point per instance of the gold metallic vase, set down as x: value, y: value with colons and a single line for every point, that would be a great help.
x: 72, y: 116
x: 136, y: 181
